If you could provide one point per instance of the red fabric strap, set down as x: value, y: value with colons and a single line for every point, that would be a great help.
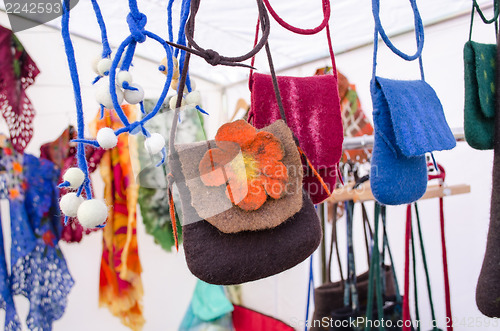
x: 406, y: 302
x: 449, y: 325
x: 326, y: 12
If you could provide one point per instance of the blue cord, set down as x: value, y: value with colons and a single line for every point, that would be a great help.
x: 70, y: 54
x: 310, y: 289
x: 419, y: 31
x: 169, y: 21
x: 106, y: 50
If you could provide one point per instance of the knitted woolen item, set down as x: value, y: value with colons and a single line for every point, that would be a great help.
x: 225, y: 259
x: 479, y: 110
x: 488, y: 284
x: 212, y: 205
x: 409, y: 122
x: 313, y: 113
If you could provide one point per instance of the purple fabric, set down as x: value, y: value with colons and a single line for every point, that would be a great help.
x: 312, y: 108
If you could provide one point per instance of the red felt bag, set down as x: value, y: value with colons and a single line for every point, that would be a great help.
x: 312, y: 108
x: 245, y: 319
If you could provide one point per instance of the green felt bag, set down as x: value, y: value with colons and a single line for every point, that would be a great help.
x: 479, y: 74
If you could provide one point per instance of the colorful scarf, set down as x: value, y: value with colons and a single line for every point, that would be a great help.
x: 17, y: 73
x: 63, y: 155
x: 153, y: 198
x: 38, y: 268
x: 120, y: 286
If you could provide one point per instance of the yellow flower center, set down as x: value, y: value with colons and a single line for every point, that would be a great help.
x: 245, y: 167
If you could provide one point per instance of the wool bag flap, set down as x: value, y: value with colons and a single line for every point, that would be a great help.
x: 481, y: 59
x: 417, y: 116
x: 312, y: 111
x: 219, y: 205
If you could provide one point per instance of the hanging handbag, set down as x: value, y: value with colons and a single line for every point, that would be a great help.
x: 479, y: 74
x: 245, y: 319
x: 409, y: 122
x: 312, y: 110
x: 339, y: 303
x: 232, y: 237
x: 488, y: 286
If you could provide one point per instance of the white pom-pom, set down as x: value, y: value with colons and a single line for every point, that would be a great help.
x: 134, y: 97
x: 92, y: 213
x: 70, y: 203
x: 193, y: 98
x: 106, y: 138
x: 103, y: 66
x: 173, y: 102
x: 95, y: 62
x: 123, y: 76
x: 155, y: 143
x: 74, y: 176
x: 103, y: 96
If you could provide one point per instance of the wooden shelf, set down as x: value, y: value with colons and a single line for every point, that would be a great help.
x: 364, y: 193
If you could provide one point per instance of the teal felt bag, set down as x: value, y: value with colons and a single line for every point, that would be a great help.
x: 479, y: 75
x: 209, y: 309
x: 409, y: 122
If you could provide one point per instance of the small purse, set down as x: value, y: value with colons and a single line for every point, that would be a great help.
x: 312, y: 109
x: 245, y: 215
x: 409, y: 122
x: 479, y: 74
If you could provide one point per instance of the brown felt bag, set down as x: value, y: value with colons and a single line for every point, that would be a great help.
x: 230, y: 245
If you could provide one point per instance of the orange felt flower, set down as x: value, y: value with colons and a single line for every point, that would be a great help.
x: 248, y: 162
x: 17, y: 167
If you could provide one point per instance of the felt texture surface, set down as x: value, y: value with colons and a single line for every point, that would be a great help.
x: 312, y: 108
x: 488, y: 285
x: 479, y: 109
x: 226, y: 259
x: 330, y: 296
x: 394, y: 178
x: 212, y: 204
x: 417, y: 116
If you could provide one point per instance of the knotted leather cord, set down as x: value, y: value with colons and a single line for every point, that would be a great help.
x: 211, y: 56
x: 494, y: 19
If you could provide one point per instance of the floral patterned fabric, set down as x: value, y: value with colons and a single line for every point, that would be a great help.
x: 17, y: 73
x: 38, y: 268
x: 63, y: 154
x: 120, y: 287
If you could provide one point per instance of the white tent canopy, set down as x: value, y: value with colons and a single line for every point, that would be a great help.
x: 229, y: 26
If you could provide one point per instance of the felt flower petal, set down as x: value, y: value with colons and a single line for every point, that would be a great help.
x: 264, y: 147
x: 255, y: 197
x: 211, y: 167
x: 236, y: 190
x: 275, y: 169
x: 275, y: 188
x: 239, y: 132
